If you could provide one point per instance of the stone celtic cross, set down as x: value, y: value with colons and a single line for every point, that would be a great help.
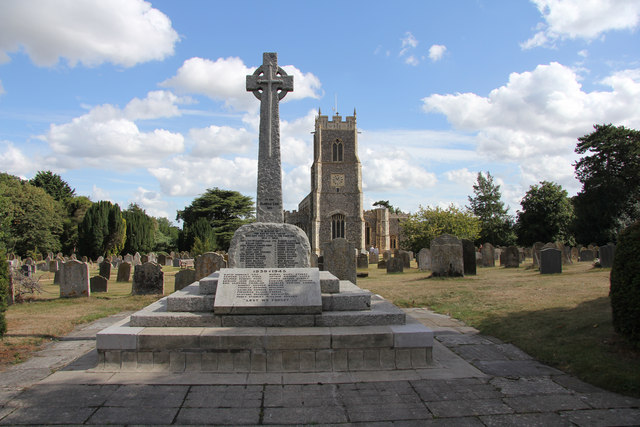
x: 269, y: 83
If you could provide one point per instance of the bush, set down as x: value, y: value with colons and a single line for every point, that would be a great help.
x: 4, y: 291
x: 625, y: 284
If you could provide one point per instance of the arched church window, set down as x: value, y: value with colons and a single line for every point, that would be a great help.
x: 337, y: 151
x: 337, y: 226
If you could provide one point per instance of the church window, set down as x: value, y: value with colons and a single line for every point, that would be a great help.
x: 337, y: 226
x: 337, y: 151
x: 367, y: 234
x: 393, y: 242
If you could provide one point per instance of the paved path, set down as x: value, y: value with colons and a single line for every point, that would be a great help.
x: 475, y: 380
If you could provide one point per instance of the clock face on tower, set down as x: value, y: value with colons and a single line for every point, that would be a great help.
x: 337, y: 180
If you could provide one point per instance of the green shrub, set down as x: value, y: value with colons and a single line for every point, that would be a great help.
x: 4, y: 291
x: 625, y: 284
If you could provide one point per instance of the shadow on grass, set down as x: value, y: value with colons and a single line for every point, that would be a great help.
x: 579, y: 340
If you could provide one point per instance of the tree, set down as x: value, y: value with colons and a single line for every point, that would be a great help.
x: 546, y: 215
x: 496, y: 223
x: 166, y: 235
x: 428, y: 223
x: 225, y: 210
x: 4, y: 291
x: 76, y: 209
x: 34, y: 218
x: 102, y: 231
x: 140, y: 230
x: 54, y: 185
x: 386, y: 204
x: 610, y: 197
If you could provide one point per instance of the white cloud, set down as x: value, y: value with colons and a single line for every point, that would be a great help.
x: 296, y: 184
x: 13, y: 160
x: 436, y: 52
x: 393, y: 170
x: 151, y: 201
x: 157, y: 104
x: 98, y: 194
x: 225, y: 80
x: 214, y: 141
x: 411, y: 60
x: 586, y: 19
x: 123, y: 32
x: 536, y: 118
x: 296, y: 140
x: 408, y: 42
x: 463, y: 177
x: 1, y: 88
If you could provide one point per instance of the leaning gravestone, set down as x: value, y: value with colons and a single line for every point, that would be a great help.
x: 98, y: 284
x: 446, y: 256
x: 207, y: 263
x: 511, y: 257
x: 488, y: 255
x: 607, y: 253
x: 104, y: 269
x: 363, y: 261
x: 424, y: 259
x: 124, y: 272
x: 75, y: 279
x: 550, y: 261
x: 148, y: 278
x: 468, y: 257
x: 394, y: 265
x: 339, y: 259
x: 184, y: 278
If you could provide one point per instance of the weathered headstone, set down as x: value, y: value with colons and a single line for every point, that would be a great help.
x: 424, y: 259
x: 184, y: 278
x: 406, y: 258
x: 468, y: 257
x: 575, y: 254
x: 137, y: 259
x: 98, y: 284
x: 394, y: 265
x: 124, y: 272
x: 535, y: 251
x: 607, y: 252
x: 550, y: 261
x: 488, y: 255
x: 104, y: 269
x: 587, y: 255
x: 373, y: 258
x: 511, y: 257
x: 75, y: 279
x: 176, y: 262
x: 386, y: 255
x: 446, y: 256
x: 162, y: 259
x: 148, y: 278
x: 207, y: 263
x: 144, y: 259
x: 339, y: 259
x: 363, y: 261
x: 261, y: 245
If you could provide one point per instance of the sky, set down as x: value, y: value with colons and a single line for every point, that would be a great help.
x: 145, y: 102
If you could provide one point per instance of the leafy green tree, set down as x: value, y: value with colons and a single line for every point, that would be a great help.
x: 33, y: 217
x: 546, y: 216
x: 486, y: 204
x: 4, y: 291
x: 76, y: 209
x: 166, y: 235
x: 610, y: 197
x: 386, y: 204
x: 102, y: 231
x: 54, y: 185
x: 428, y: 223
x: 140, y: 230
x: 225, y: 210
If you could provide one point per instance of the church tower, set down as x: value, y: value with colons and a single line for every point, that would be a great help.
x: 335, y: 200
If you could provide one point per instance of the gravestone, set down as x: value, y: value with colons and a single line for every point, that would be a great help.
x: 406, y: 258
x: 176, y: 262
x: 124, y: 272
x: 98, y: 284
x: 607, y: 252
x: 575, y: 254
x: 363, y: 261
x: 446, y: 256
x: 468, y: 257
x: 207, y: 263
x: 128, y: 258
x: 261, y: 245
x: 104, y: 269
x: 148, y: 278
x: 394, y: 265
x: 99, y: 260
x: 424, y: 259
x: 339, y: 259
x: 386, y: 255
x: 313, y: 260
x: 511, y: 257
x: 75, y: 279
x: 488, y: 255
x: 144, y: 259
x: 136, y: 259
x: 373, y: 258
x: 550, y: 261
x: 184, y: 278
x: 162, y: 259
x: 587, y: 255
x: 535, y: 252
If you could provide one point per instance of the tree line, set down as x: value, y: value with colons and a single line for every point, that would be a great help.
x: 609, y: 201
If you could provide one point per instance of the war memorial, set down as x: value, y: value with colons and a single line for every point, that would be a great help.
x: 269, y: 310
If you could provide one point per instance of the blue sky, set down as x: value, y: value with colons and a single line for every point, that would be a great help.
x: 144, y: 102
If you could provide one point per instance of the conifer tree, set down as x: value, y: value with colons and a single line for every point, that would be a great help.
x: 102, y: 231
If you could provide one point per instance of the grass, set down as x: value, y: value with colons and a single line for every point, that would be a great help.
x: 48, y: 317
x: 563, y: 320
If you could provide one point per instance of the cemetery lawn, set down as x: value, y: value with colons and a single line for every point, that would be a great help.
x: 563, y: 320
x: 47, y: 317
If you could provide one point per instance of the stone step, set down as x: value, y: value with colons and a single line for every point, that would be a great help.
x: 329, y: 284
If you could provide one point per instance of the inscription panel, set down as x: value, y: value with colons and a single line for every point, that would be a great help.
x: 260, y: 245
x: 268, y: 291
